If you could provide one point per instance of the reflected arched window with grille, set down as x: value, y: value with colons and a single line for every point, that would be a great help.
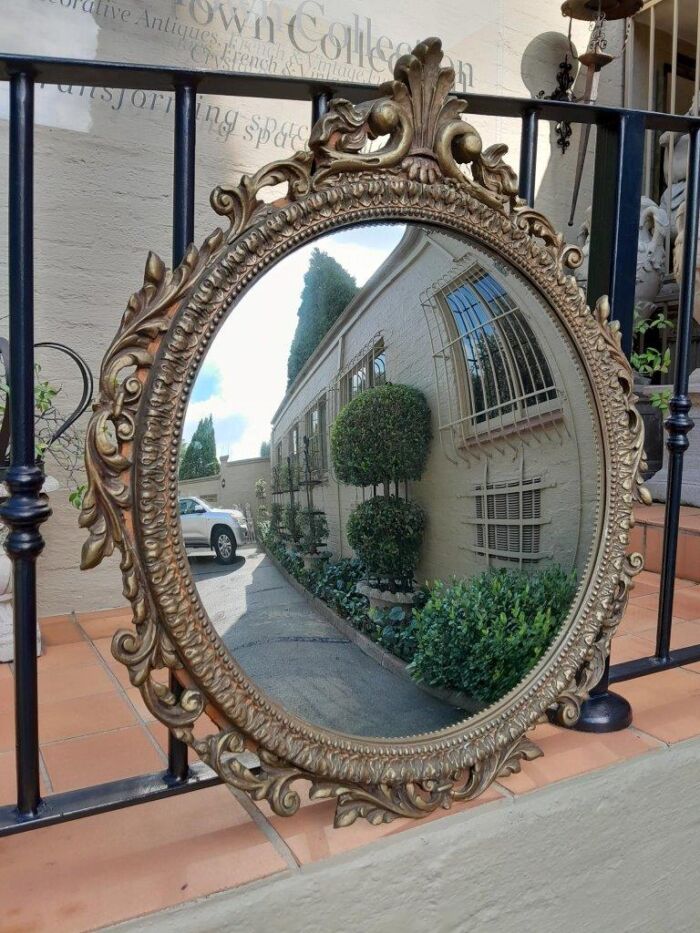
x: 506, y: 375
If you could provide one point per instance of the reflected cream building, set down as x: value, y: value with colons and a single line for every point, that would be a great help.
x: 511, y: 478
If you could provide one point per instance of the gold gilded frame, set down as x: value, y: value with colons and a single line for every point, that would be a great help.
x: 133, y: 444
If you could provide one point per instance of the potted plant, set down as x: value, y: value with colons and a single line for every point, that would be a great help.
x: 314, y: 534
x: 380, y: 440
x: 649, y: 363
x: 292, y: 524
x: 276, y: 517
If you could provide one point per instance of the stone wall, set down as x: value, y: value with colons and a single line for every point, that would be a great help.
x: 233, y: 487
x: 577, y: 856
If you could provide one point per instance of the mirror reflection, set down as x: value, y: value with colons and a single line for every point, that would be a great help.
x: 389, y: 480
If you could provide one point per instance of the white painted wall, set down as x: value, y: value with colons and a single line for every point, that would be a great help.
x: 615, y: 850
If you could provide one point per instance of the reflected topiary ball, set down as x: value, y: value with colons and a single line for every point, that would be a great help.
x: 382, y: 435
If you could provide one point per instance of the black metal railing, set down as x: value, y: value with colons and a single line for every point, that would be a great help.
x: 614, y: 230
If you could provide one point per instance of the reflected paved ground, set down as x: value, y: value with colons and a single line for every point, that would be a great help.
x: 303, y: 661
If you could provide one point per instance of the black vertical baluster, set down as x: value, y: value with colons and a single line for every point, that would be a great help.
x: 528, y: 157
x: 25, y: 510
x: 679, y: 422
x: 320, y: 103
x: 612, y: 263
x: 612, y: 269
x: 183, y: 236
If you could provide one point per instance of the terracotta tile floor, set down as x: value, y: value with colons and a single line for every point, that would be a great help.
x: 95, y: 727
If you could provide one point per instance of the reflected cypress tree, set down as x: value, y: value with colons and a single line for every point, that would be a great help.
x: 328, y: 289
x: 199, y: 459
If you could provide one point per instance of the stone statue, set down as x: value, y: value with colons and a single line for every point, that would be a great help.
x: 675, y: 174
x: 651, y: 253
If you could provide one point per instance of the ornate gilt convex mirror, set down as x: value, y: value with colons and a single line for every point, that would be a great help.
x: 433, y: 558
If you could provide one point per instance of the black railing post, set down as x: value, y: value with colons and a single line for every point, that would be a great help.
x: 183, y: 236
x: 679, y: 422
x: 528, y: 157
x: 612, y: 270
x: 25, y: 509
x: 617, y: 190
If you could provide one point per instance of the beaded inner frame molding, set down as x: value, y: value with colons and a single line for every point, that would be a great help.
x: 431, y: 168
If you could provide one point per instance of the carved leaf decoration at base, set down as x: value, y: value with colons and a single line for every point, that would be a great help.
x: 272, y: 781
x: 503, y: 764
x: 382, y: 803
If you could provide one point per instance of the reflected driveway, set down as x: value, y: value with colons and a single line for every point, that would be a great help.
x: 302, y: 661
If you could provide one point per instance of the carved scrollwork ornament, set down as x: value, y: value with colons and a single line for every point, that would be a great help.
x: 408, y: 155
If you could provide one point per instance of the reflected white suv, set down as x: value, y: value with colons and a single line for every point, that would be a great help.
x: 220, y: 530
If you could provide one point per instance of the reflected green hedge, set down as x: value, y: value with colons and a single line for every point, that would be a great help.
x: 481, y: 636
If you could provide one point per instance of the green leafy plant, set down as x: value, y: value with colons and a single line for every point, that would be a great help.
x: 314, y: 530
x: 661, y: 399
x: 483, y: 635
x: 381, y: 436
x: 276, y: 517
x: 651, y: 361
x: 285, y: 476
x: 386, y: 533
x: 76, y: 495
x: 291, y: 521
x: 262, y: 512
x: 393, y: 629
x: 263, y: 531
x: 292, y: 475
x: 67, y: 450
x: 659, y: 322
x: 335, y: 583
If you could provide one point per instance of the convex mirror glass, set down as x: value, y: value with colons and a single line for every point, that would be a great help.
x: 389, y: 480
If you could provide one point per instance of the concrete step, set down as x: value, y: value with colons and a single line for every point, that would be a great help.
x: 647, y: 538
